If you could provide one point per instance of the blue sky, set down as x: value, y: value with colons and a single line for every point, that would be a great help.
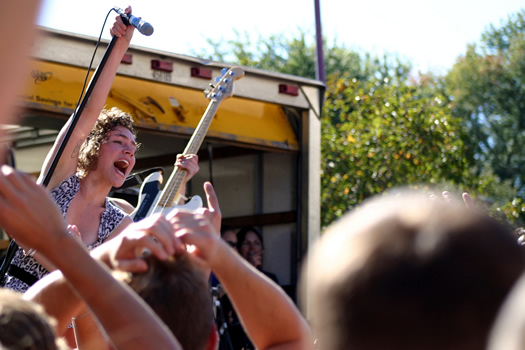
x: 431, y: 34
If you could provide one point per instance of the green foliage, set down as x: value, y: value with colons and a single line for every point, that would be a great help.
x: 487, y: 87
x: 377, y: 135
x: 297, y: 56
x: 382, y: 128
x: 514, y: 211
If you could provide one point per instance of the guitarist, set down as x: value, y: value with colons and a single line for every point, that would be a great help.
x: 99, y: 155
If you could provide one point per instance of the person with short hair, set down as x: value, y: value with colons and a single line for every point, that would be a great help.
x: 405, y: 272
x: 176, y: 289
x: 229, y: 236
x: 25, y: 325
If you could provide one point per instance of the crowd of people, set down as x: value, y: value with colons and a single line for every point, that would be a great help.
x: 402, y: 271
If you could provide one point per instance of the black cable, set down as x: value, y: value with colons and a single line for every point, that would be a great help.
x: 13, y: 246
x: 92, y: 59
x: 74, y: 118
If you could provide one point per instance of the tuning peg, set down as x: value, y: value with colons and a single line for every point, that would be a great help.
x: 218, y: 79
x: 224, y: 71
x: 226, y: 80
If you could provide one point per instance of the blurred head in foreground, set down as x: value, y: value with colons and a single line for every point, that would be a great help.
x: 24, y: 325
x: 508, y: 332
x: 406, y: 272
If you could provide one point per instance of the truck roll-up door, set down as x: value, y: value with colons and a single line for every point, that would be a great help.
x: 55, y: 87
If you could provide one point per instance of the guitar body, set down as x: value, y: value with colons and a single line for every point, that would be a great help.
x: 151, y: 199
x: 149, y: 196
x: 149, y: 191
x: 193, y: 204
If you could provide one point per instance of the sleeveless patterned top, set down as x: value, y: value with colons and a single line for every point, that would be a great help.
x: 63, y: 194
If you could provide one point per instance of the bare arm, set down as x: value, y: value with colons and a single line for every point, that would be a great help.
x: 280, y: 326
x: 18, y: 215
x: 19, y: 15
x: 68, y: 161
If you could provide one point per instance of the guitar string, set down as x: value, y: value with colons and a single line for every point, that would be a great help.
x: 178, y: 177
x: 202, y: 128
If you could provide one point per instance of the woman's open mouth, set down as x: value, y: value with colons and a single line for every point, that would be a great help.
x: 121, y: 165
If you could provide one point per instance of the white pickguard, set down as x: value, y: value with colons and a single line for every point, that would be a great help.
x: 150, y: 195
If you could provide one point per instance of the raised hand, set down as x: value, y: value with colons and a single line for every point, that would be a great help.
x: 255, y: 258
x: 152, y: 235
x: 198, y: 234
x: 213, y: 212
x: 469, y: 203
x: 27, y: 212
x: 447, y: 197
x: 121, y: 30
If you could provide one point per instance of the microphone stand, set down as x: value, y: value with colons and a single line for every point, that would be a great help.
x: 13, y: 246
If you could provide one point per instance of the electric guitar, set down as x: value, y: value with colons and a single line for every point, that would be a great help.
x: 151, y: 199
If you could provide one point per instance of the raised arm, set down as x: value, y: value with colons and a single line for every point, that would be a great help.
x: 280, y: 326
x: 127, y: 320
x: 20, y: 16
x: 68, y: 161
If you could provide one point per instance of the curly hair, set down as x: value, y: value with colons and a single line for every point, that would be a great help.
x: 107, y: 121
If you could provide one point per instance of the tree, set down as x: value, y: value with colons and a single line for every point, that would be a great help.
x: 383, y: 128
x: 377, y: 135
x: 487, y: 87
x: 378, y: 130
x: 296, y: 56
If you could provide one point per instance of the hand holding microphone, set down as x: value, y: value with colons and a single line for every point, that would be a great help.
x: 128, y: 19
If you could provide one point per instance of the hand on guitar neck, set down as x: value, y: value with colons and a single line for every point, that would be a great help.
x: 190, y: 163
x: 150, y: 200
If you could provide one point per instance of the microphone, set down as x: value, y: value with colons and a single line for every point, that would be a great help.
x: 142, y: 26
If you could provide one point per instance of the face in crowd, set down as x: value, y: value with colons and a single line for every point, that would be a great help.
x: 251, y: 248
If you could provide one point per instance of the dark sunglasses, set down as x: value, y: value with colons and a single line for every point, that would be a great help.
x: 232, y: 244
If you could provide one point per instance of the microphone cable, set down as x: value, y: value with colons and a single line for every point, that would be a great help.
x: 13, y: 246
x: 91, y: 62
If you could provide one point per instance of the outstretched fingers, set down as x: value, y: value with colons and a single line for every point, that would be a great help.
x: 211, y: 197
x: 213, y: 212
x: 196, y: 232
x: 467, y: 199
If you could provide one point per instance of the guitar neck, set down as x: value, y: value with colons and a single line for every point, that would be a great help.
x: 200, y: 132
x: 173, y: 186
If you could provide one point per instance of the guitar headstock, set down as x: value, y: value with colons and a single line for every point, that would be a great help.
x: 223, y: 87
